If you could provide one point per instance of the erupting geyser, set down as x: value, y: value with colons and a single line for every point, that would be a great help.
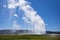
x: 30, y: 19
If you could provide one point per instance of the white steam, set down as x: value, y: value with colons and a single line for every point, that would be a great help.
x: 30, y: 16
x: 4, y: 5
x: 15, y: 15
x: 16, y: 26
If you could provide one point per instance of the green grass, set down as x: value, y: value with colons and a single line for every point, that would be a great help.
x: 29, y: 37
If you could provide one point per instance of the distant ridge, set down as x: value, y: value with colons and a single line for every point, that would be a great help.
x: 14, y: 31
x: 53, y: 32
x: 23, y: 31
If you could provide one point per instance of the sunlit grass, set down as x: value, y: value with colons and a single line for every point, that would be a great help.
x: 29, y: 37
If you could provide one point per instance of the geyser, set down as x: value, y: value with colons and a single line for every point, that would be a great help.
x: 29, y: 17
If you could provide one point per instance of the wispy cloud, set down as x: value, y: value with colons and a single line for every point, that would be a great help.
x: 30, y: 15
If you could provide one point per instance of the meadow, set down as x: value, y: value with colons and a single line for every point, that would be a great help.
x: 30, y: 37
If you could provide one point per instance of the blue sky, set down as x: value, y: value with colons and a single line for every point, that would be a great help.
x: 49, y: 10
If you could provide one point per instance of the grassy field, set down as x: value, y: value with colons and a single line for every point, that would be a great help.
x: 29, y: 37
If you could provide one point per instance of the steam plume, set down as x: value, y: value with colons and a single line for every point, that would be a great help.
x: 30, y: 15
